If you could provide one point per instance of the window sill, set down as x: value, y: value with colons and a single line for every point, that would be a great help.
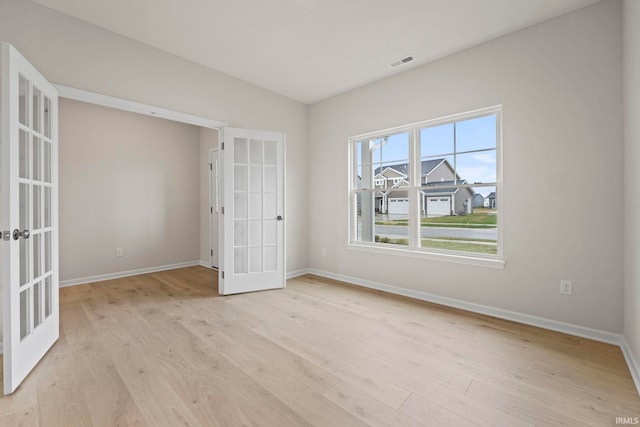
x: 476, y: 261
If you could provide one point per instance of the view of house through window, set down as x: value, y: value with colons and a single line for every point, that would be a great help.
x: 430, y: 186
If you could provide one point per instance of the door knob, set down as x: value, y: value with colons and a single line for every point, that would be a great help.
x: 279, y: 218
x: 24, y: 234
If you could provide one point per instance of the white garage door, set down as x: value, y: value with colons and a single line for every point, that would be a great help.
x: 438, y: 206
x: 398, y: 206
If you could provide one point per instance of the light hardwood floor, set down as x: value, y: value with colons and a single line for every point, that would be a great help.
x: 164, y: 349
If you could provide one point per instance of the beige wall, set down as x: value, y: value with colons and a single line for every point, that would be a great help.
x: 81, y: 55
x: 560, y: 86
x: 208, y: 141
x: 126, y: 181
x: 631, y: 22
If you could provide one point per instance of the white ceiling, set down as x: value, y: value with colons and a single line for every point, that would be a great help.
x: 309, y: 50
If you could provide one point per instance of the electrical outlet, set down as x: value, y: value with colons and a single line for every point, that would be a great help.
x: 324, y: 251
x: 119, y: 252
x: 566, y: 287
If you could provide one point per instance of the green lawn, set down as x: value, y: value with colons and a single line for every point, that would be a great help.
x: 475, y: 220
x: 458, y: 245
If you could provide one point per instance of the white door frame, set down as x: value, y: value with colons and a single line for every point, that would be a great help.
x: 214, y: 204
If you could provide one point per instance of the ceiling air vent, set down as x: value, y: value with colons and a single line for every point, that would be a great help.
x: 399, y: 62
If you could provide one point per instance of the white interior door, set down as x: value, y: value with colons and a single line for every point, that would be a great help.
x: 253, y: 232
x: 29, y: 204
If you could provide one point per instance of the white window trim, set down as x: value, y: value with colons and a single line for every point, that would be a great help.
x: 468, y: 258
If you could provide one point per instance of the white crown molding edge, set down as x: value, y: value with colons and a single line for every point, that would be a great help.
x: 134, y: 107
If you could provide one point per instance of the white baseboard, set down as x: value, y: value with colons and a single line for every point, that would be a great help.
x: 554, y: 325
x: 296, y: 273
x: 206, y: 264
x: 632, y: 362
x: 118, y: 275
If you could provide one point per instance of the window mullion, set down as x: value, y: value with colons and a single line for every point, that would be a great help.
x: 414, y: 184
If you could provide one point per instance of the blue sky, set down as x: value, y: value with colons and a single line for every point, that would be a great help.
x: 437, y: 141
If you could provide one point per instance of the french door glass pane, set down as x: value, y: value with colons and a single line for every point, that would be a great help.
x: 240, y: 205
x: 240, y: 260
x: 255, y: 233
x: 270, y: 258
x: 270, y: 231
x: 48, y: 297
x: 270, y: 178
x: 24, y: 206
x: 255, y: 258
x: 24, y: 313
x: 37, y: 103
x: 47, y: 117
x: 37, y: 212
x: 240, y: 178
x: 37, y: 307
x: 47, y: 252
x: 270, y: 153
x: 255, y: 205
x: 36, y: 255
x: 37, y: 148
x: 24, y: 261
x: 24, y: 154
x: 255, y: 178
x: 255, y: 152
x: 47, y: 206
x: 47, y: 162
x: 270, y: 206
x: 240, y: 150
x: 240, y: 233
x: 23, y: 101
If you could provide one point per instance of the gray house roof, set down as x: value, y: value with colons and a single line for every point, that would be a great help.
x: 403, y: 168
x: 441, y: 187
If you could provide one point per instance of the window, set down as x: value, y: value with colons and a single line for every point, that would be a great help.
x: 444, y: 198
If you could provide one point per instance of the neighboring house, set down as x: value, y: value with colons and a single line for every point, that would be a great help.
x: 492, y: 200
x: 478, y: 200
x: 439, y: 198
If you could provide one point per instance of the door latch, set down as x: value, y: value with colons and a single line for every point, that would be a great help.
x: 24, y: 234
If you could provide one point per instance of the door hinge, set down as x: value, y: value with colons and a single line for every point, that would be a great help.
x: 210, y: 166
x: 211, y: 252
x: 211, y: 209
x: 222, y: 210
x: 222, y: 146
x: 223, y: 274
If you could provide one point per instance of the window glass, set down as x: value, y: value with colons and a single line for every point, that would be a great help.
x: 454, y: 200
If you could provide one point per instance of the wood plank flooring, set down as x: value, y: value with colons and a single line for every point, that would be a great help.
x: 164, y: 349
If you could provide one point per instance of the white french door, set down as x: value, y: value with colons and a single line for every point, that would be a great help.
x: 253, y: 231
x: 29, y: 206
